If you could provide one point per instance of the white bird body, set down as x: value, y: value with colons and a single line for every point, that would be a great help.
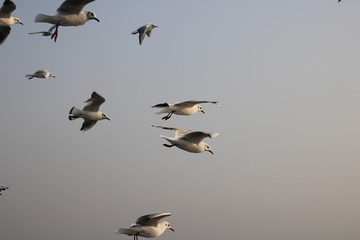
x: 181, y: 108
x: 64, y: 20
x: 40, y: 74
x: 6, y: 20
x: 188, y: 140
x: 90, y: 113
x: 148, y: 226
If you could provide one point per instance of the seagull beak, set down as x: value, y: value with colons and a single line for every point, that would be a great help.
x: 21, y: 23
x: 97, y: 19
x: 108, y: 118
x: 203, y: 111
x: 210, y: 152
x: 172, y: 229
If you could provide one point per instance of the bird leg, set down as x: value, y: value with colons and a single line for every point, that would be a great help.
x: 55, y: 34
x: 168, y: 116
x: 168, y: 145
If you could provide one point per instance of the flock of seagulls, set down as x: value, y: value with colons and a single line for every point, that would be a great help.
x: 70, y: 13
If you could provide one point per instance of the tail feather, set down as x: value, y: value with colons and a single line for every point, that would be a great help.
x: 135, y: 32
x: 29, y: 76
x: 74, y: 113
x: 127, y: 231
x: 45, y: 18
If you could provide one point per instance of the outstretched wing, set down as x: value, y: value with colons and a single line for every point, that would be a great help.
x: 7, y: 8
x: 87, y: 125
x: 198, y: 136
x: 4, y: 33
x: 73, y: 6
x: 194, y: 102
x: 179, y: 133
x: 151, y: 219
x: 94, y: 102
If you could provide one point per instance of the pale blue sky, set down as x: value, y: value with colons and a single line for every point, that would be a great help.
x: 286, y: 161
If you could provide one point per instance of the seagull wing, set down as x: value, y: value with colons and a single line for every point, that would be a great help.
x: 164, y: 105
x: 151, y: 219
x: 7, y: 8
x: 193, y: 102
x: 94, y: 102
x: 179, y: 133
x: 4, y: 33
x: 87, y: 125
x: 41, y: 73
x: 73, y: 6
x: 197, y: 136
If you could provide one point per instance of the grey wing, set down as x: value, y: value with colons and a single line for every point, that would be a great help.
x: 179, y: 133
x: 193, y: 102
x: 7, y: 8
x: 94, y: 102
x: 73, y: 6
x: 151, y: 219
x: 87, y: 125
x: 198, y: 136
x: 40, y: 73
x: 164, y: 105
x: 4, y: 33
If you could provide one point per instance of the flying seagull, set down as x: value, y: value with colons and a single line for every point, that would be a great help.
x: 146, y: 29
x: 181, y: 108
x: 6, y: 20
x: 148, y: 226
x: 3, y: 188
x: 188, y: 140
x: 69, y: 14
x: 40, y: 74
x: 90, y: 113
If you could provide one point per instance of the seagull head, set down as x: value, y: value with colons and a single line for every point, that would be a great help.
x: 51, y: 75
x: 200, y: 109
x: 168, y: 226
x: 91, y: 15
x: 153, y: 26
x: 17, y: 21
x: 105, y: 117
x: 207, y: 148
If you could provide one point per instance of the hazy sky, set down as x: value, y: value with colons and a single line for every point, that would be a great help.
x: 286, y: 163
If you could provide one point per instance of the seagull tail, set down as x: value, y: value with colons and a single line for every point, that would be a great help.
x: 74, y: 113
x: 127, y: 231
x: 29, y: 76
x: 135, y: 32
x: 45, y: 18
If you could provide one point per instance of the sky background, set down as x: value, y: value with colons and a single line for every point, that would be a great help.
x: 286, y: 162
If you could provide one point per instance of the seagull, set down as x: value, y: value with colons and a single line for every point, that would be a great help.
x: 181, y: 108
x: 146, y: 29
x: 3, y: 188
x: 148, y: 226
x: 50, y: 32
x: 6, y: 20
x: 90, y: 113
x: 339, y: 0
x: 69, y: 14
x: 40, y: 74
x: 188, y: 140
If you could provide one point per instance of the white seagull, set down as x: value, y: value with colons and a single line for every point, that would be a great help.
x: 90, y: 113
x: 6, y: 20
x: 146, y: 29
x: 40, y: 74
x: 188, y: 140
x: 3, y: 188
x: 69, y: 14
x: 148, y: 226
x: 181, y: 108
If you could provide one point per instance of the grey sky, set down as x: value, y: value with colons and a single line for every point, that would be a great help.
x: 287, y: 158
